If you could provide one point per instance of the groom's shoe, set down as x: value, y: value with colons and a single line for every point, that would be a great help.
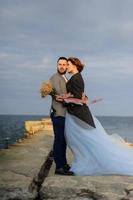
x: 66, y: 167
x: 61, y: 171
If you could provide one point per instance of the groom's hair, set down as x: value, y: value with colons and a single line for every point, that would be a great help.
x: 61, y: 58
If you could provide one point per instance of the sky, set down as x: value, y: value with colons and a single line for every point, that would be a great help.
x: 34, y: 33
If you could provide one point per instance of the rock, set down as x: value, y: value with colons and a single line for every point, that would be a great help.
x: 87, y: 187
x: 14, y: 186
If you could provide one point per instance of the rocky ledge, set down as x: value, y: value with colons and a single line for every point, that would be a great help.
x: 87, y: 188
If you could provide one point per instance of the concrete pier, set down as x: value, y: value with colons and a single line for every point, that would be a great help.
x: 27, y: 173
x: 21, y: 164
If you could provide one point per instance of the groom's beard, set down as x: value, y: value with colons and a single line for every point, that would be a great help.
x: 62, y: 73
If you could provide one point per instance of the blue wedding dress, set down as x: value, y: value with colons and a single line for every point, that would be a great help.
x: 94, y: 151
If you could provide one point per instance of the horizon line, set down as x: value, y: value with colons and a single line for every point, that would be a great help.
x: 49, y: 116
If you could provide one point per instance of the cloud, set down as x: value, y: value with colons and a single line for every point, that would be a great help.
x: 34, y: 34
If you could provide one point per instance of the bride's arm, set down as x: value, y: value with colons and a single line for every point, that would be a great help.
x: 63, y: 96
x: 68, y: 98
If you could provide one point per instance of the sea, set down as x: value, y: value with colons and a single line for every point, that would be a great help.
x: 12, y: 127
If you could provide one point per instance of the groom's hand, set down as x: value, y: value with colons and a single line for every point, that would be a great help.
x: 85, y: 99
x: 61, y: 98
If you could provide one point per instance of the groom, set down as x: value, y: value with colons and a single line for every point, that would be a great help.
x: 58, y: 112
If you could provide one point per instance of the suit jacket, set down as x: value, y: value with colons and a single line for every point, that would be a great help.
x: 59, y: 83
x: 76, y: 87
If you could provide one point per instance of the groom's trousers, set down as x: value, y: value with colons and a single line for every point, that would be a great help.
x: 59, y: 146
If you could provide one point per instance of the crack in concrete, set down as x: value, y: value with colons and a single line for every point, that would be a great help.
x: 128, y: 192
x: 22, y: 174
x: 37, y: 181
x: 90, y: 194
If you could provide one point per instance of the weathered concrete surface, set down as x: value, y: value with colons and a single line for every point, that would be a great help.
x: 20, y: 163
x: 88, y: 187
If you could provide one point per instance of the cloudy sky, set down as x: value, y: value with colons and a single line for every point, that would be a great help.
x: 34, y: 33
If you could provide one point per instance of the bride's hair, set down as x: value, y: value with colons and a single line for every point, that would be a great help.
x: 76, y: 62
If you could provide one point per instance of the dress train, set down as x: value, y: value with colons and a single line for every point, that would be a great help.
x: 94, y: 151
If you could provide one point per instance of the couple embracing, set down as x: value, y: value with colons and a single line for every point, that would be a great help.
x: 94, y: 151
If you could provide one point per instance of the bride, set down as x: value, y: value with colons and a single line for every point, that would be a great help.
x: 94, y: 151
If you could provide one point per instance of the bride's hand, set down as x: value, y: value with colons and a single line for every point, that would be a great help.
x: 59, y: 98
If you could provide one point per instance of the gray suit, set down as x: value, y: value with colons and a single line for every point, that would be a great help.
x: 59, y: 83
x: 58, y: 120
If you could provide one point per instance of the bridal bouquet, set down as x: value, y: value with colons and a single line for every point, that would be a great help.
x: 47, y: 89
